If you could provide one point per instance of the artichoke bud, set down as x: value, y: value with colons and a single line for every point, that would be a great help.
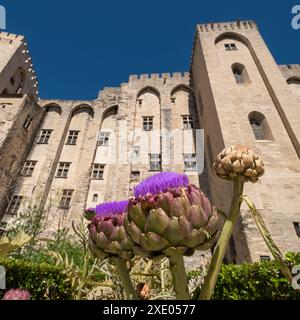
x: 239, y: 160
x: 107, y: 234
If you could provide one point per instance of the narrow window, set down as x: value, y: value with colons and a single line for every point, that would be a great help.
x: 260, y: 126
x: 147, y: 123
x: 95, y: 197
x: 188, y: 122
x: 190, y: 162
x: 297, y: 228
x: 98, y: 171
x: 135, y: 176
x: 14, y: 204
x: 257, y: 129
x: 103, y: 139
x: 240, y: 73
x: 155, y: 162
x: 72, y: 138
x: 66, y: 199
x: 44, y: 136
x: 238, y: 76
x: 28, y: 168
x: 27, y: 123
x: 63, y: 169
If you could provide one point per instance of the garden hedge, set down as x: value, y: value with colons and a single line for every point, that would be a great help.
x: 257, y: 281
x: 43, y: 281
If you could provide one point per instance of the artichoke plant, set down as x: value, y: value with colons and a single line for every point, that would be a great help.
x: 171, y: 217
x: 108, y: 239
x: 239, y: 164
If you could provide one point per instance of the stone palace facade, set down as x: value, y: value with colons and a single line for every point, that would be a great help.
x: 64, y: 156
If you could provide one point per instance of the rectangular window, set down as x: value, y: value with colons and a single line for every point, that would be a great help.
x: 44, y: 136
x: 63, y: 169
x: 98, y: 171
x: 95, y: 197
x: 147, y: 123
x: 135, y: 176
x: 14, y: 204
x: 28, y: 168
x: 27, y: 123
x: 190, y: 162
x: 188, y: 122
x: 297, y: 228
x: 72, y: 138
x: 103, y: 139
x: 66, y: 199
x: 155, y: 162
x: 230, y: 46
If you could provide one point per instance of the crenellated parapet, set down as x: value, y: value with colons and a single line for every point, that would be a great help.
x: 290, y: 71
x: 227, y: 26
x: 159, y: 76
x: 15, y: 55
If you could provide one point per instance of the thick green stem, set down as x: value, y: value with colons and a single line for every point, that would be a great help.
x: 179, y: 278
x: 222, y: 245
x: 122, y: 269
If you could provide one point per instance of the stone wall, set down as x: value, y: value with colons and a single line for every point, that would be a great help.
x: 225, y: 118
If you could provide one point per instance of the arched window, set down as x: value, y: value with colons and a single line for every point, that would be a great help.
x: 293, y: 80
x: 240, y: 73
x: 111, y: 111
x: 260, y: 126
x: 82, y: 109
x: 53, y: 107
x: 257, y: 129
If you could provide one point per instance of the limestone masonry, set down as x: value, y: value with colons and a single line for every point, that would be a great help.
x: 65, y: 156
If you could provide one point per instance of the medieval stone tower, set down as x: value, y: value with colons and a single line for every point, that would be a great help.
x: 65, y: 156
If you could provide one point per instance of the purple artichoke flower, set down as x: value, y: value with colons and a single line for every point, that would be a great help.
x: 107, y: 234
x: 168, y: 212
x: 16, y: 294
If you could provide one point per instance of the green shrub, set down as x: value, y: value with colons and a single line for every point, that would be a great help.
x: 41, y: 280
x: 257, y: 281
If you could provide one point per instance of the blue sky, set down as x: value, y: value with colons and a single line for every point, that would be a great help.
x: 79, y: 47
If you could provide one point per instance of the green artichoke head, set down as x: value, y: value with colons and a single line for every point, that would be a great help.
x: 166, y: 213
